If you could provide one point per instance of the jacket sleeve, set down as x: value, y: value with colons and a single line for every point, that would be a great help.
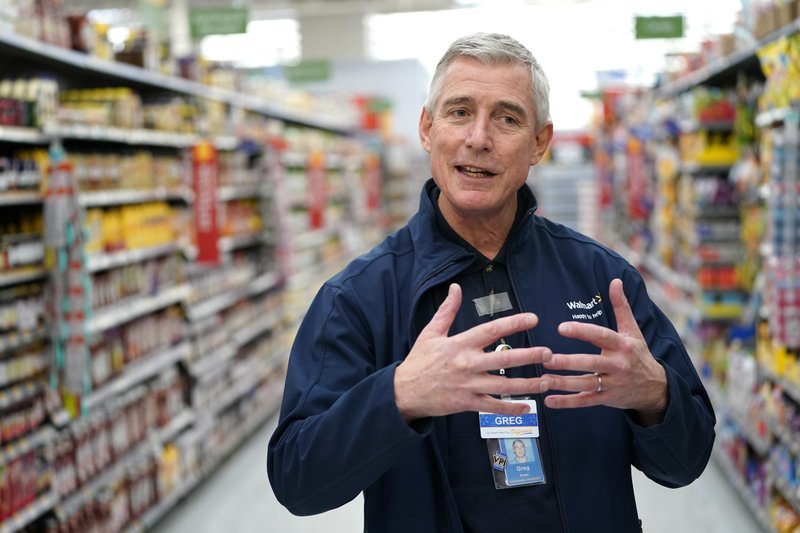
x: 339, y: 428
x: 675, y: 452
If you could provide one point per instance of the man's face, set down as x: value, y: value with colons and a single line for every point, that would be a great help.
x: 481, y: 136
x: 519, y: 449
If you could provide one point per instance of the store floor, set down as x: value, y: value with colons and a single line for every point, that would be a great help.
x: 238, y: 499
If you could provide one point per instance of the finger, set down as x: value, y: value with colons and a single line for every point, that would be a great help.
x: 626, y: 322
x: 584, y: 383
x: 511, y: 358
x: 569, y: 401
x: 582, y: 362
x: 488, y: 404
x: 600, y: 336
x: 485, y: 334
x: 503, y: 386
x: 439, y: 325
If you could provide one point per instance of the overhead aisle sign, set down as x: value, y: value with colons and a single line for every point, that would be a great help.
x: 659, y: 27
x: 217, y: 21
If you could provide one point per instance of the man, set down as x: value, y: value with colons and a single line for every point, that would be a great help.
x: 519, y: 451
x: 480, y: 306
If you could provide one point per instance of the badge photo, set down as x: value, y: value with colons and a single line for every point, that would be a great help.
x: 523, y: 466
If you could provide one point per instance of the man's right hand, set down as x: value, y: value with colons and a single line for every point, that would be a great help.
x: 444, y: 375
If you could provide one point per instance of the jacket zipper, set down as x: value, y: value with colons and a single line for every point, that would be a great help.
x: 418, y: 290
x: 416, y: 295
x: 542, y: 412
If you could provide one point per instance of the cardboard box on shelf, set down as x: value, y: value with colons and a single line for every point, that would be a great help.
x: 726, y: 44
x: 765, y: 21
x: 785, y: 13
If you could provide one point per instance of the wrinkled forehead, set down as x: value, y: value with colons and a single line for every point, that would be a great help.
x: 508, y: 83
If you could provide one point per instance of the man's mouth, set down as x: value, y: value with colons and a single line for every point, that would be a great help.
x: 474, y: 172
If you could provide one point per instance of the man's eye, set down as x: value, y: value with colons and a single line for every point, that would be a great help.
x: 459, y: 113
x: 510, y: 120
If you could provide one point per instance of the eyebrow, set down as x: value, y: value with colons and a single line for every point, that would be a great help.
x: 457, y: 100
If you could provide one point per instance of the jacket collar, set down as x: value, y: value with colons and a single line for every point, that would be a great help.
x: 436, y: 254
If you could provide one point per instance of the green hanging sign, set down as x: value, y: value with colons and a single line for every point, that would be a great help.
x: 217, y: 21
x: 308, y: 71
x: 659, y: 27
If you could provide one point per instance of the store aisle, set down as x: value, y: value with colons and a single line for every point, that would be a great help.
x: 238, y: 499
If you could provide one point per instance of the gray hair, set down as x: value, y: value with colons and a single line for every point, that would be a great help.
x: 494, y: 49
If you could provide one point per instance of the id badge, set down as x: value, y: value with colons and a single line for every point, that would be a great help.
x: 513, y: 445
x: 496, y: 426
x: 515, y: 462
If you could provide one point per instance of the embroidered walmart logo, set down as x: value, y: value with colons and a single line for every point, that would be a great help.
x: 588, y: 308
x: 597, y: 300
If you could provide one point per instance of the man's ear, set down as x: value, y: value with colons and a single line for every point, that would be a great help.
x: 425, y: 123
x: 542, y: 141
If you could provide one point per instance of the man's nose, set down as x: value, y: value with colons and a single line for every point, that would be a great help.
x: 479, y: 135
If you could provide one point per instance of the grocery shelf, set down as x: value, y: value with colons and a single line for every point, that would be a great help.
x: 138, y: 137
x: 239, y: 192
x: 669, y: 276
x: 674, y: 306
x: 745, y: 494
x: 97, y: 262
x: 30, y: 513
x: 27, y: 49
x: 264, y: 282
x: 229, y: 296
x: 8, y: 198
x: 256, y: 328
x: 712, y: 125
x: 772, y: 117
x: 14, y: 340
x: 214, y: 304
x: 786, y: 438
x: 254, y: 387
x: 719, y: 71
x: 226, y: 142
x: 131, y: 308
x: 315, y: 238
x: 151, y: 517
x: 294, y: 160
x: 117, y: 469
x: 782, y: 484
x: 761, y: 445
x: 208, y: 364
x: 19, y: 134
x: 228, y: 244
x: 20, y: 393
x: 250, y: 425
x: 112, y: 472
x: 717, y: 212
x: 792, y: 390
x: 22, y: 275
x: 253, y: 421
x: 141, y: 370
x: 176, y: 425
x: 696, y: 168
x: 38, y: 437
x: 244, y: 386
x: 133, y: 196
x: 726, y: 69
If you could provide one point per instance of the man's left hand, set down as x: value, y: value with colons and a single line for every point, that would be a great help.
x: 625, y: 374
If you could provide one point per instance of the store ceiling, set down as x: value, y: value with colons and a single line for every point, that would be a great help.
x: 283, y: 8
x: 267, y: 9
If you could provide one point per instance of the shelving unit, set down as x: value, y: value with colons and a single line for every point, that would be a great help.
x: 189, y: 355
x: 719, y: 253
